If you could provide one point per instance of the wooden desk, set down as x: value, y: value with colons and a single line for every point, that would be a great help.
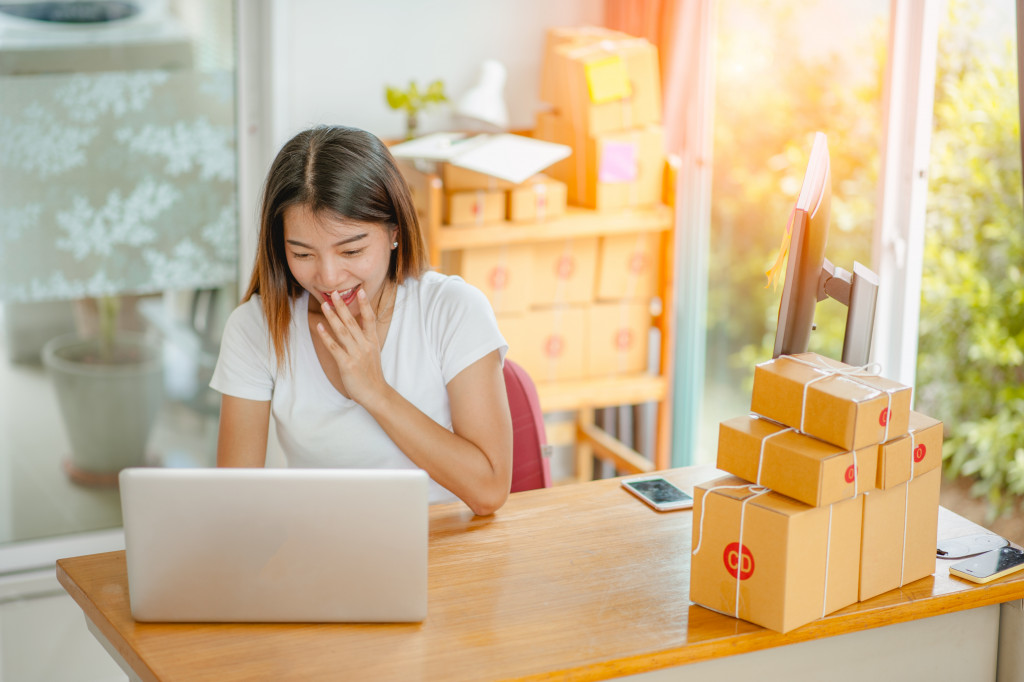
x: 579, y: 582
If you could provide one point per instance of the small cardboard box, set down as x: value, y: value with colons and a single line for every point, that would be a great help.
x: 502, y: 272
x: 793, y: 564
x: 617, y: 338
x: 851, y: 410
x: 628, y: 266
x: 475, y: 207
x: 916, y: 453
x: 899, y: 534
x: 554, y: 346
x: 457, y: 179
x: 564, y: 271
x: 610, y: 171
x: 804, y: 468
x: 538, y: 199
x: 607, y: 86
x: 551, y: 82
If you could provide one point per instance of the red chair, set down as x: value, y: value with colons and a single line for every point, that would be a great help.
x: 530, y: 468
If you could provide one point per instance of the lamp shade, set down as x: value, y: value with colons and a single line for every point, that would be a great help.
x: 484, y: 103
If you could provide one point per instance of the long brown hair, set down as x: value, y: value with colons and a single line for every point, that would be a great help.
x: 349, y: 174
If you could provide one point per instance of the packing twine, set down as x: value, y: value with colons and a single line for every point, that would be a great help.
x: 852, y: 373
x: 540, y: 193
x: 760, y: 458
x: 906, y: 508
x: 758, y: 490
x: 828, y: 556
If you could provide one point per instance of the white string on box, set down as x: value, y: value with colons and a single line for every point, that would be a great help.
x: 760, y: 457
x: 758, y: 490
x: 540, y: 191
x: 906, y: 509
x: 828, y: 557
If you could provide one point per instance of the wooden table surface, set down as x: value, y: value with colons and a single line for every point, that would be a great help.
x: 577, y: 582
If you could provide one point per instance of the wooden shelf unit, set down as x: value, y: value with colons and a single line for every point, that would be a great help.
x: 586, y: 395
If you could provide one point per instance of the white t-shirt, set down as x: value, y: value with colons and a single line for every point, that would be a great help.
x: 440, y: 326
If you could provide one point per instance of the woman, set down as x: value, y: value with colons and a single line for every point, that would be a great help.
x: 364, y: 357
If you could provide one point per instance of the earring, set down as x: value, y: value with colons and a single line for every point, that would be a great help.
x: 394, y: 245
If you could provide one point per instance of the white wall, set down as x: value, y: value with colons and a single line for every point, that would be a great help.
x: 340, y: 54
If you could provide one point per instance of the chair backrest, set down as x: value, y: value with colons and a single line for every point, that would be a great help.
x: 530, y: 468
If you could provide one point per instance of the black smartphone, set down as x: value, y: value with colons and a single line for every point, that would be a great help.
x: 989, y: 565
x: 658, y: 492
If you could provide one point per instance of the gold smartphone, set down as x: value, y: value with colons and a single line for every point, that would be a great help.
x: 989, y: 565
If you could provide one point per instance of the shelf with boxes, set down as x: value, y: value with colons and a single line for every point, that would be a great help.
x: 577, y: 294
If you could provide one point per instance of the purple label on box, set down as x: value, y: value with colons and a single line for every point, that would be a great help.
x: 618, y: 162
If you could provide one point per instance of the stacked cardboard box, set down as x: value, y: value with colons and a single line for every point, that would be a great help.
x: 833, y: 497
x: 472, y: 199
x: 604, y: 89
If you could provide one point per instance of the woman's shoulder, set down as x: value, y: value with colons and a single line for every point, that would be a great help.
x: 434, y: 286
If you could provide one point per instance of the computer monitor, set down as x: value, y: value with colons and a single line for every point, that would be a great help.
x: 810, y: 277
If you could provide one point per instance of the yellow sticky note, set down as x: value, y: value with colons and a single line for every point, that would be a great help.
x: 607, y: 79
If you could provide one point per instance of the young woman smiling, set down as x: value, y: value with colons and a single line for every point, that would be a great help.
x: 363, y: 356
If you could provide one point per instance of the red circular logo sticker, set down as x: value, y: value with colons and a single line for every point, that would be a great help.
x: 919, y: 452
x: 738, y: 561
x: 883, y: 417
x: 554, y: 346
x: 851, y: 473
x: 564, y: 268
x: 499, y: 278
x: 638, y: 261
x: 624, y: 339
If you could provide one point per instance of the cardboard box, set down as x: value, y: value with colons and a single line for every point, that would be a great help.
x: 776, y: 574
x: 538, y: 199
x: 610, y: 171
x: 551, y: 82
x: 916, y: 453
x: 628, y: 266
x: 502, y: 272
x: 899, y: 534
x: 476, y: 207
x: 607, y: 86
x: 564, y: 272
x: 554, y: 345
x: 457, y: 179
x: 850, y: 410
x: 804, y: 468
x: 617, y: 335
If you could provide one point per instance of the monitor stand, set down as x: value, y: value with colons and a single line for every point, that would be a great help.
x: 858, y: 291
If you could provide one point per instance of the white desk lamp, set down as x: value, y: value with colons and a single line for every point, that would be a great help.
x: 482, y: 107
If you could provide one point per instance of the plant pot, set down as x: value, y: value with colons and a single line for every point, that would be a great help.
x: 108, y: 404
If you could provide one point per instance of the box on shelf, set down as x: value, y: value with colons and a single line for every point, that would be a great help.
x: 563, y: 36
x: 474, y: 207
x: 457, y: 179
x: 850, y: 410
x: 610, y: 171
x: 501, y: 272
x: 899, y: 534
x: 917, y: 452
x: 563, y: 271
x: 554, y: 347
x: 606, y: 86
x: 538, y: 199
x: 798, y: 466
x: 628, y: 266
x: 794, y: 563
x: 617, y: 334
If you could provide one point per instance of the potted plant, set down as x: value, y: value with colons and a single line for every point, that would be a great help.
x: 109, y: 388
x: 413, y: 102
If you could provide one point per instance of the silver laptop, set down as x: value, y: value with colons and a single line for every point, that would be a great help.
x: 275, y: 545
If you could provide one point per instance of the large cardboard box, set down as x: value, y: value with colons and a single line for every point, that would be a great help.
x: 916, y: 453
x: 617, y: 338
x: 502, y: 272
x: 804, y: 468
x: 793, y: 564
x: 628, y: 266
x: 899, y: 534
x: 564, y: 271
x: 538, y: 199
x: 829, y: 400
x: 472, y: 208
x: 610, y: 171
x: 608, y: 85
x: 554, y: 346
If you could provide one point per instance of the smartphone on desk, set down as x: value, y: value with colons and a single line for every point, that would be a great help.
x: 658, y: 492
x: 989, y: 565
